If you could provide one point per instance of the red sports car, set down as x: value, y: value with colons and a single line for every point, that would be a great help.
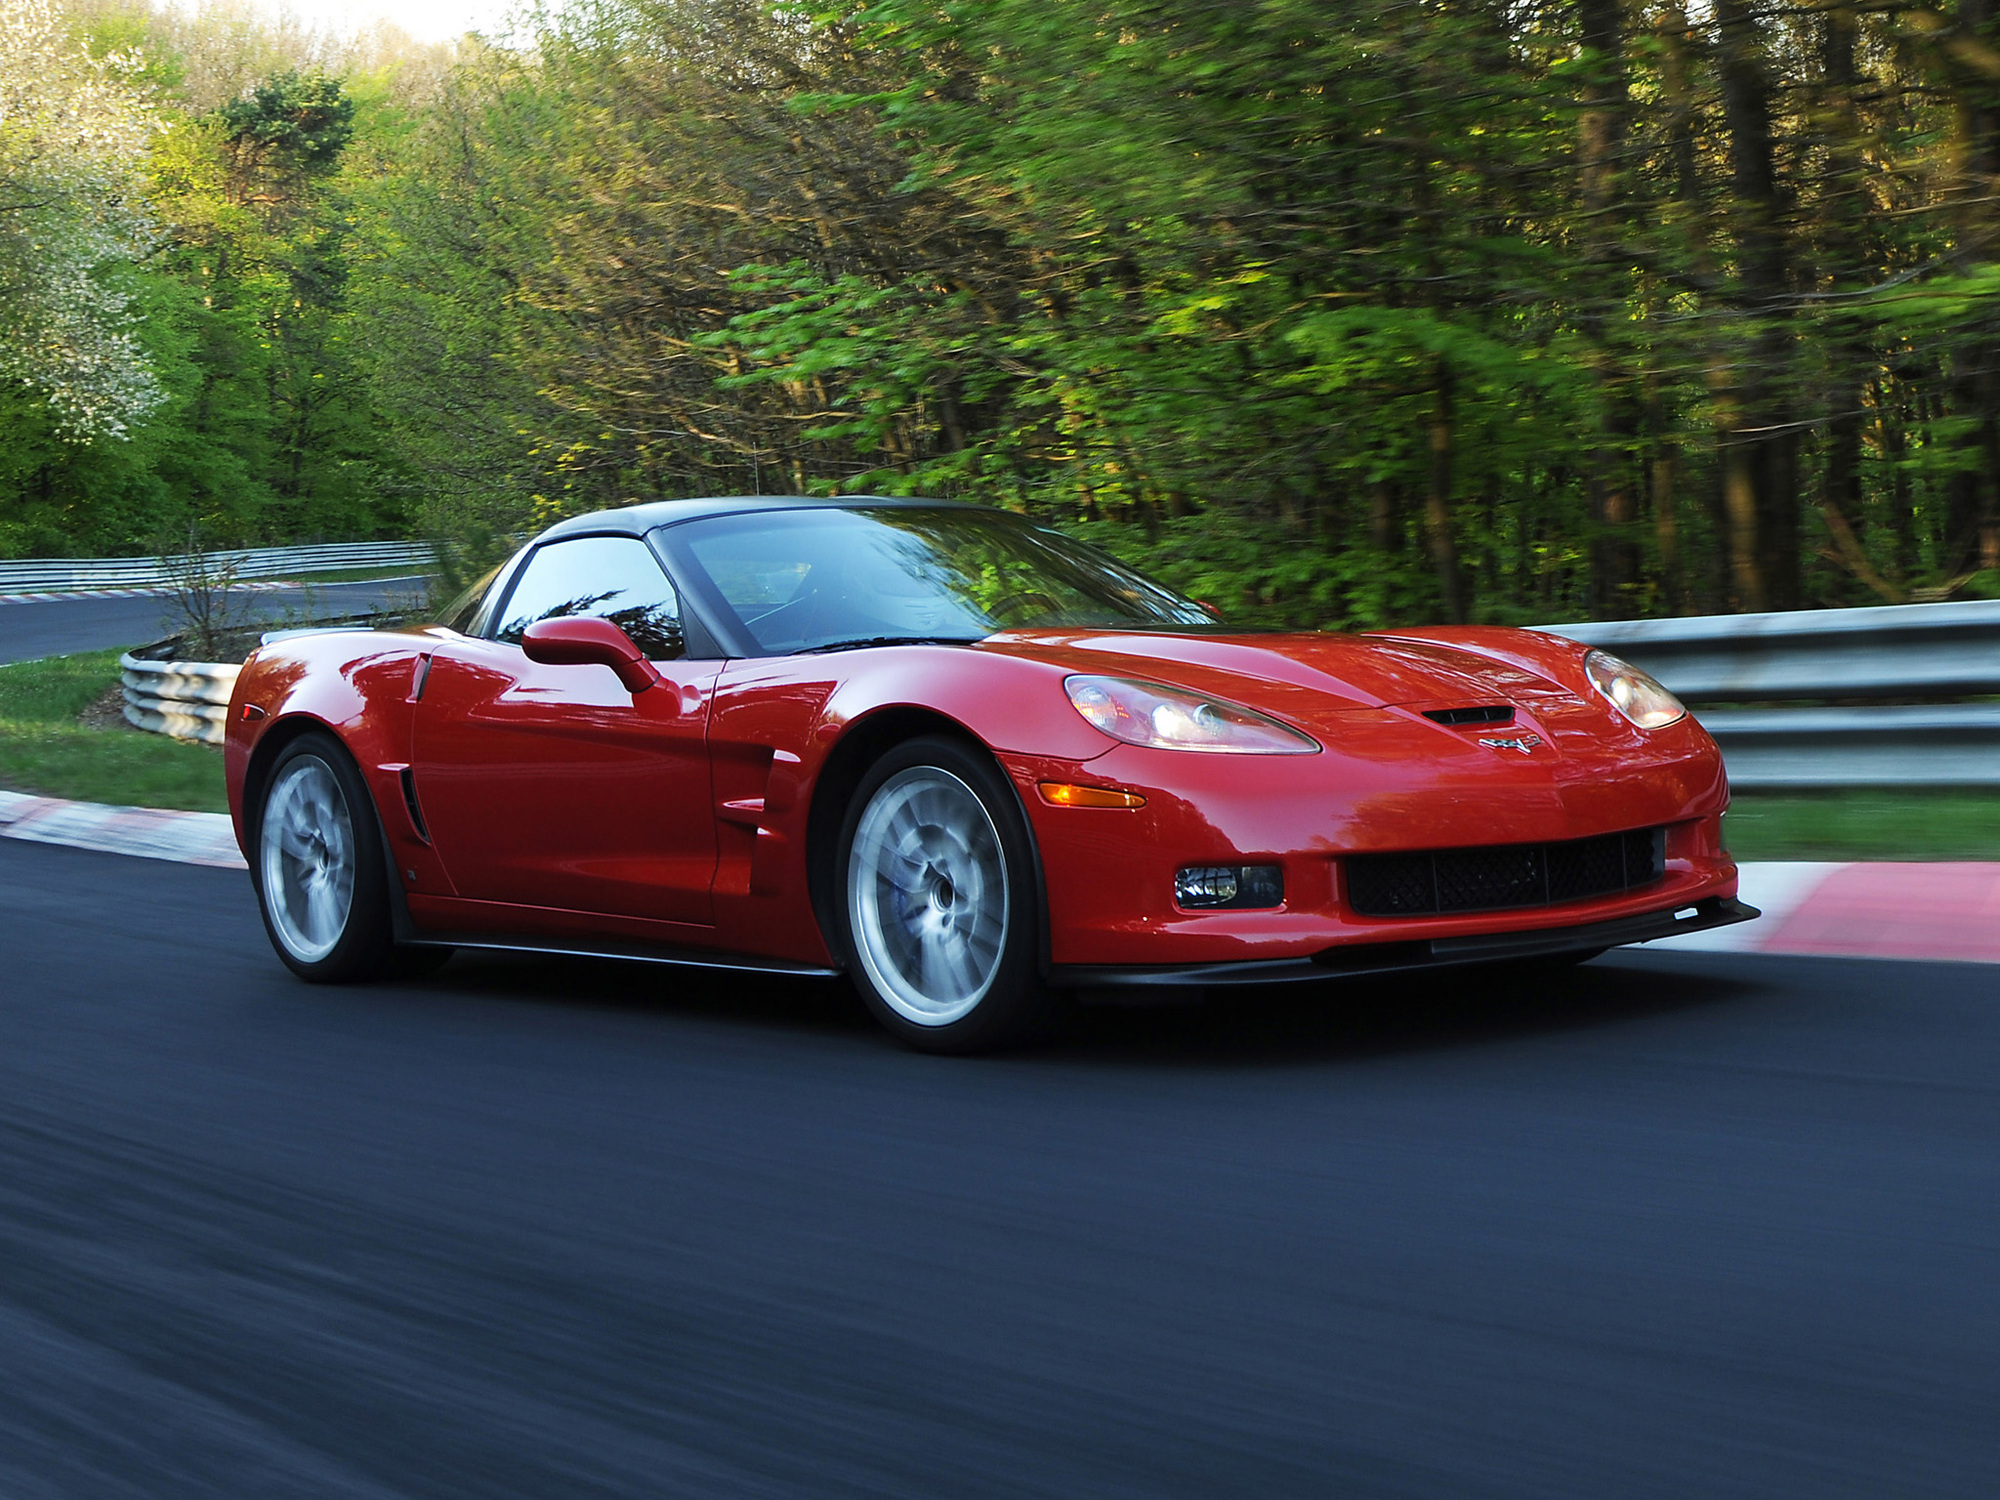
x: 963, y: 759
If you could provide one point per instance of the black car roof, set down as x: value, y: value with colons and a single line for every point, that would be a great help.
x: 637, y: 520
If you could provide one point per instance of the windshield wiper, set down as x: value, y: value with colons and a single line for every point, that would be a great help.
x: 861, y: 642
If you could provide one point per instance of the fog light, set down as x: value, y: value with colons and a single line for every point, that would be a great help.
x: 1229, y: 887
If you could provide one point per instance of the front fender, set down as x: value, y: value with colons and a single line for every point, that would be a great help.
x: 361, y: 687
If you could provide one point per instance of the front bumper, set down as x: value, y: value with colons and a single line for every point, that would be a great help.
x: 1362, y: 960
x: 1109, y: 873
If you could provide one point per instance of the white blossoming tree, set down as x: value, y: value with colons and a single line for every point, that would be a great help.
x: 73, y: 140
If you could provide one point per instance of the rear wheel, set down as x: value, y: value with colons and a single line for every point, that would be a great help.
x: 320, y: 876
x: 938, y: 901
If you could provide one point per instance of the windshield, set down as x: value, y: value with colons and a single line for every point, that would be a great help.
x: 803, y: 580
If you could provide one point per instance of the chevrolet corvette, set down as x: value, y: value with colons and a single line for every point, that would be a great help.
x: 960, y: 758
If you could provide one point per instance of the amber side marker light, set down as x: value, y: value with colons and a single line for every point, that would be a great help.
x: 1063, y: 794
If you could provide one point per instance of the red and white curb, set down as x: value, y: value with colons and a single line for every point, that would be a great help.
x: 188, y: 838
x: 1871, y: 910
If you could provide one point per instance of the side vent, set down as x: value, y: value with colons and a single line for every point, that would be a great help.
x: 409, y: 780
x: 1497, y: 713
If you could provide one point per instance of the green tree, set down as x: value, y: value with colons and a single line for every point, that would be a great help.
x: 73, y: 135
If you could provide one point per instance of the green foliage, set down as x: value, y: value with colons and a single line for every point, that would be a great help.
x: 263, y: 425
x: 1333, y: 314
x: 1256, y: 573
x: 73, y: 135
x: 1220, y: 327
x: 296, y: 123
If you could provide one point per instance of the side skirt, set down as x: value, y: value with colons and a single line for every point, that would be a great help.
x: 1361, y: 960
x: 645, y: 953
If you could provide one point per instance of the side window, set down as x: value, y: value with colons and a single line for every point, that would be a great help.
x: 463, y: 613
x: 612, y: 577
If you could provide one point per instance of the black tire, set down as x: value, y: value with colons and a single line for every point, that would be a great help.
x: 320, y: 934
x: 937, y: 901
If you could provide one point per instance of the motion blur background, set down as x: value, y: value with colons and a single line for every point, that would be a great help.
x: 1335, y: 314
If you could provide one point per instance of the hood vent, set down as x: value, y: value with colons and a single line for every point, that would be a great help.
x: 1499, y: 713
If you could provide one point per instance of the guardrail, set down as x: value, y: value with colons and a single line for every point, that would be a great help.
x: 186, y: 699
x: 1846, y: 661
x: 52, y: 573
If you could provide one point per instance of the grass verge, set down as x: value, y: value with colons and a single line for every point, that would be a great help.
x: 45, y: 748
x: 1865, y: 823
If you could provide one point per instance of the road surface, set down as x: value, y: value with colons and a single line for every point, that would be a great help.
x: 1704, y: 1225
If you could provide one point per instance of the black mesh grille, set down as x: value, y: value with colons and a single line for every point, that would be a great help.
x: 1451, y: 880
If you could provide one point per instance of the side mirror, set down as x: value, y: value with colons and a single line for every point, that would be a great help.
x: 586, y: 641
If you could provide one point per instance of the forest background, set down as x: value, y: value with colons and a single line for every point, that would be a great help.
x: 1334, y: 314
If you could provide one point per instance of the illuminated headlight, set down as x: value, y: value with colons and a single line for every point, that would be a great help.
x: 1168, y: 718
x: 1632, y: 692
x: 1237, y: 887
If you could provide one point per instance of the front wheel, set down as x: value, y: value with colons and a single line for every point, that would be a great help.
x: 938, y: 901
x: 318, y: 865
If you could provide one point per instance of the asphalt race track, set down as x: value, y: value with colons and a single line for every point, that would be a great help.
x: 1675, y: 1226
x: 59, y: 627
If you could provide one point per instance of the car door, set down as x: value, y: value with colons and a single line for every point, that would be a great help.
x: 554, y: 786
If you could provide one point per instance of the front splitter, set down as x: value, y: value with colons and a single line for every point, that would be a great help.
x: 1363, y: 960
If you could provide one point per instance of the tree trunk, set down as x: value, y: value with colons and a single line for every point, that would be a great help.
x: 1383, y: 532
x: 1734, y: 577
x: 1614, y: 560
x: 1843, y: 237
x: 1740, y: 508
x: 1972, y: 533
x: 1663, y: 476
x: 1438, y: 505
x: 1762, y: 479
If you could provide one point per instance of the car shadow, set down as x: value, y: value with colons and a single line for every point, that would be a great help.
x: 1360, y: 1019
x: 1242, y: 1027
x: 753, y: 1000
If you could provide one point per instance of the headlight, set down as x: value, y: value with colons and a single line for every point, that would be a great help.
x: 1632, y: 692
x: 1165, y: 718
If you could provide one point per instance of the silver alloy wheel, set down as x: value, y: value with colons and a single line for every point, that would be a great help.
x: 306, y: 849
x: 927, y: 897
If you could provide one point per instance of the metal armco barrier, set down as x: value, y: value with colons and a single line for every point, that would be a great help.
x: 186, y: 699
x: 1845, y: 661
x: 52, y: 573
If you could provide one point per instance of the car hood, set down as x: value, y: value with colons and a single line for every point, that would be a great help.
x: 1302, y: 676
